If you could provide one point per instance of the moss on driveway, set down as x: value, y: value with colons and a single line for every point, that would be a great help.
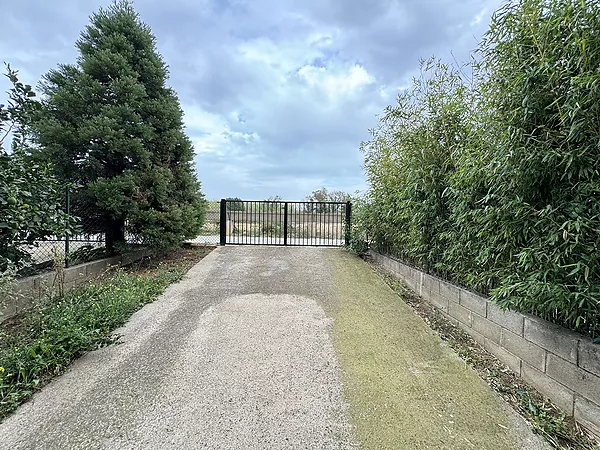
x: 405, y: 387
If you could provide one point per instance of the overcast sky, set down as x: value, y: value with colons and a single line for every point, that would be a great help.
x: 277, y: 94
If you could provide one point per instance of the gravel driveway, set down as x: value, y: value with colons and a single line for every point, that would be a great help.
x: 259, y: 348
x: 236, y: 356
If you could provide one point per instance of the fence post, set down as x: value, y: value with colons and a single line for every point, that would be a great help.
x: 67, y: 222
x: 285, y: 224
x: 348, y: 221
x: 223, y: 222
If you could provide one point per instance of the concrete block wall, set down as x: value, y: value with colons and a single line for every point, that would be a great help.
x: 31, y: 289
x: 562, y: 365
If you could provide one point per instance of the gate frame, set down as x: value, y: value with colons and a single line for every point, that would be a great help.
x: 223, y: 218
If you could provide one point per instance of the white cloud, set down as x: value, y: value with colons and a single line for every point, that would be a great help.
x: 277, y: 95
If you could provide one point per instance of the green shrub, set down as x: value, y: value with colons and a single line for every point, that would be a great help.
x: 31, y: 207
x: 493, y: 180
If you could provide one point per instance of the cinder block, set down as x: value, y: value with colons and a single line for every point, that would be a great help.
x: 95, y: 268
x: 25, y: 285
x: 411, y: 284
x: 7, y: 310
x: 560, y: 395
x: 452, y: 320
x: 510, y: 320
x: 513, y: 362
x: 478, y: 337
x: 588, y: 414
x: 571, y: 376
x: 404, y: 270
x: 551, y: 337
x: 473, y: 302
x: 486, y: 327
x: 589, y: 356
x: 460, y: 313
x: 528, y: 352
x: 449, y: 291
x: 72, y: 274
x: 438, y: 301
x: 431, y: 283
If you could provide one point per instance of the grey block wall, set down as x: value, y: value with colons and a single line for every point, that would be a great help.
x: 562, y: 365
x: 31, y: 289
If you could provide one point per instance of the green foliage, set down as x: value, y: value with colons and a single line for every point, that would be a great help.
x: 30, y: 197
x: 66, y: 328
x: 235, y: 204
x: 492, y: 180
x: 320, y: 197
x: 115, y: 130
x: 543, y: 85
x: 410, y: 161
x: 362, y: 226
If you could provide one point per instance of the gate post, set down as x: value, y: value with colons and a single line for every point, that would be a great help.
x: 285, y: 224
x: 223, y: 222
x: 67, y: 223
x: 348, y: 221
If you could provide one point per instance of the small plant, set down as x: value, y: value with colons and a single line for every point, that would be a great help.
x: 58, y: 264
x: 7, y: 283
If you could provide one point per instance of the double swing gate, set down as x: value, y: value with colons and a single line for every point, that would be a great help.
x: 325, y: 224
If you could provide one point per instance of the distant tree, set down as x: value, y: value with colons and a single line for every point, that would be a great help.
x: 112, y: 127
x: 323, y: 195
x: 30, y: 197
x: 234, y: 204
x: 272, y: 205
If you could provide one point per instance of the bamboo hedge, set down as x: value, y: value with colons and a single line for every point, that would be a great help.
x: 488, y: 174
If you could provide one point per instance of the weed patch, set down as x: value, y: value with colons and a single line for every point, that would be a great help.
x: 50, y: 337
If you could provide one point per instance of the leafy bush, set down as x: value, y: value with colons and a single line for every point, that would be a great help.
x: 492, y: 180
x: 30, y: 196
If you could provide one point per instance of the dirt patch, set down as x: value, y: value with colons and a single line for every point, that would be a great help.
x: 182, y: 258
x: 545, y: 418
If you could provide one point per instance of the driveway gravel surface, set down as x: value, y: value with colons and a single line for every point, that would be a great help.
x: 254, y: 350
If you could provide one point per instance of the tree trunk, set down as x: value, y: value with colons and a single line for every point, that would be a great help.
x: 115, y: 234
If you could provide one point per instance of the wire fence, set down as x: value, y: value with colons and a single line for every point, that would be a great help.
x: 209, y: 233
x: 85, y: 242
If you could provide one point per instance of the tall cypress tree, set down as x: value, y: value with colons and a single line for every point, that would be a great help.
x: 114, y: 129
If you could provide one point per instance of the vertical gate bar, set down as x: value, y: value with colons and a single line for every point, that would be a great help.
x: 348, y: 221
x: 313, y: 218
x: 294, y: 227
x: 285, y: 223
x: 67, y: 220
x: 223, y: 222
x: 321, y: 224
x: 341, y: 227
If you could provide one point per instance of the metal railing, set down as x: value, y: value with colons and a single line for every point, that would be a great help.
x: 324, y: 224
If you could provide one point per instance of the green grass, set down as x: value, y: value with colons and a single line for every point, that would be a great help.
x: 405, y: 388
x: 47, y: 340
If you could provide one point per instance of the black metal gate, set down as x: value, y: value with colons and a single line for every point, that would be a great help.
x: 324, y: 224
